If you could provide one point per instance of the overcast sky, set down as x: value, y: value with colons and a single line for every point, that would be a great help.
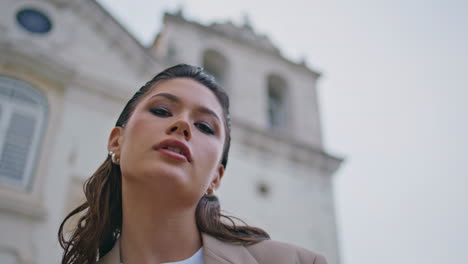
x: 394, y: 102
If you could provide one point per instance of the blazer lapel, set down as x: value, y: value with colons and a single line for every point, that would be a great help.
x: 219, y: 252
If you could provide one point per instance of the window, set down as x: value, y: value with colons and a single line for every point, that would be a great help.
x: 171, y: 51
x: 22, y: 116
x: 216, y: 64
x: 263, y: 189
x: 33, y: 21
x: 277, y: 105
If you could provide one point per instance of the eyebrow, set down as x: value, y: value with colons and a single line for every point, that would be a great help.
x: 176, y: 99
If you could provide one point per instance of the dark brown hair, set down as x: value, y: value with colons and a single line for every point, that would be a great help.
x: 100, y: 216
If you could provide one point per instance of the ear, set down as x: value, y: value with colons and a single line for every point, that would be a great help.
x: 216, y: 182
x: 115, y: 140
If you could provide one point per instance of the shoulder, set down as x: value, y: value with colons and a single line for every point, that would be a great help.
x: 271, y: 251
x: 264, y: 252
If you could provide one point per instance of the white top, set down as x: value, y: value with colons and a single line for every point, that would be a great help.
x: 197, y: 258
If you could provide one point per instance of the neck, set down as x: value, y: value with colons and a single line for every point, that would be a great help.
x: 155, y: 230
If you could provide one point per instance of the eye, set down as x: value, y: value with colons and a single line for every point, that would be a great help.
x: 160, y: 112
x: 205, y: 128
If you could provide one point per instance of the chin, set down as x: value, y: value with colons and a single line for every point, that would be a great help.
x: 161, y: 173
x: 167, y: 183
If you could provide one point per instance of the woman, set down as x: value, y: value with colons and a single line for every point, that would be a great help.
x: 152, y: 200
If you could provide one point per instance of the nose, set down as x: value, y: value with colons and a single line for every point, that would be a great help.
x: 181, y: 127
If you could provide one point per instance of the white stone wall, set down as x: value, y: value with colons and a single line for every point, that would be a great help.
x: 288, y: 209
x: 25, y: 212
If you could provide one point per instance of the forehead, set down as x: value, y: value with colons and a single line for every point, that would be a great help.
x: 190, y: 92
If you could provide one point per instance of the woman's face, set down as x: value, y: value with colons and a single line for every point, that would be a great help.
x: 178, y: 109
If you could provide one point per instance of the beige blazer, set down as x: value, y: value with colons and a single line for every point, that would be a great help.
x: 266, y: 252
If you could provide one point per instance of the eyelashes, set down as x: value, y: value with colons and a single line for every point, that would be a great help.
x: 162, y: 112
x: 205, y: 128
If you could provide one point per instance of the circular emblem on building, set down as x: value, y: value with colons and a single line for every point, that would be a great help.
x: 34, y: 21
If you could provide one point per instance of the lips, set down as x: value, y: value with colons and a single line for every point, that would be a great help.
x: 173, y: 143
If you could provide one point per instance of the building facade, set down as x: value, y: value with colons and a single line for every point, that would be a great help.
x: 68, y: 67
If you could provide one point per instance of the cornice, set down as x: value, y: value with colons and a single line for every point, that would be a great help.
x: 283, y: 146
x: 216, y: 29
x: 21, y: 204
x: 119, y: 37
x: 54, y: 71
x: 35, y: 63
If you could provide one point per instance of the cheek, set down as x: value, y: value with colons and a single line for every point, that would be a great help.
x: 209, y: 155
x: 140, y: 135
x: 137, y: 125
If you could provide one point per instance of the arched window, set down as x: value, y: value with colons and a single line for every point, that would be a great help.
x: 277, y: 103
x: 23, y: 111
x: 216, y: 64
